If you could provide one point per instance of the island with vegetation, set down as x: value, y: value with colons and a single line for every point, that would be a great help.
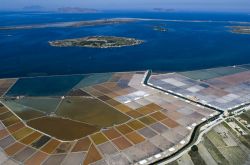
x: 97, y: 42
x: 240, y: 29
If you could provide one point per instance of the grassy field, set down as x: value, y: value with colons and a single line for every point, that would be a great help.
x: 216, y: 139
x: 215, y: 153
x: 234, y: 155
x: 173, y: 163
x: 219, y: 150
x: 196, y: 158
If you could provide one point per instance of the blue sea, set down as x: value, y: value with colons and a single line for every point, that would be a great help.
x: 186, y: 46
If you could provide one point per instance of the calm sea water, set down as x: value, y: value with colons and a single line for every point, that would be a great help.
x: 186, y: 46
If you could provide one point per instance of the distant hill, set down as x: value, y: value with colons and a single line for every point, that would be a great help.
x: 163, y: 10
x: 77, y: 10
x: 33, y: 8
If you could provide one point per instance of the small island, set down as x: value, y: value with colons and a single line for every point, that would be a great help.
x: 97, y: 42
x: 160, y: 29
x: 240, y: 29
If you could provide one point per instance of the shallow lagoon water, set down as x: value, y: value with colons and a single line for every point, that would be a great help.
x: 44, y: 86
x: 186, y: 46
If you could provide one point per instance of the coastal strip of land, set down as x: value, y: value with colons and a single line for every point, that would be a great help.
x: 107, y: 22
x: 71, y: 24
x: 97, y: 42
x: 240, y: 29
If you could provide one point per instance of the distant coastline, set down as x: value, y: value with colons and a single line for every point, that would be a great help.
x: 77, y: 10
x: 71, y: 24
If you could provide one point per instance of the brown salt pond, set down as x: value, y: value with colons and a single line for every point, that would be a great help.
x: 64, y: 147
x: 15, y: 127
x: 98, y: 138
x: 3, y: 133
x: 111, y: 133
x: 14, y: 148
x: 3, y: 109
x: 5, y: 84
x: 135, y: 137
x: 6, y: 115
x: 28, y: 114
x: 124, y: 129
x: 82, y: 145
x: 50, y: 146
x: 63, y: 129
x: 148, y: 120
x: 22, y: 133
x: 31, y: 138
x: 134, y: 114
x: 92, y: 156
x: 135, y: 124
x: 91, y: 111
x: 122, y: 143
x: 10, y: 121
